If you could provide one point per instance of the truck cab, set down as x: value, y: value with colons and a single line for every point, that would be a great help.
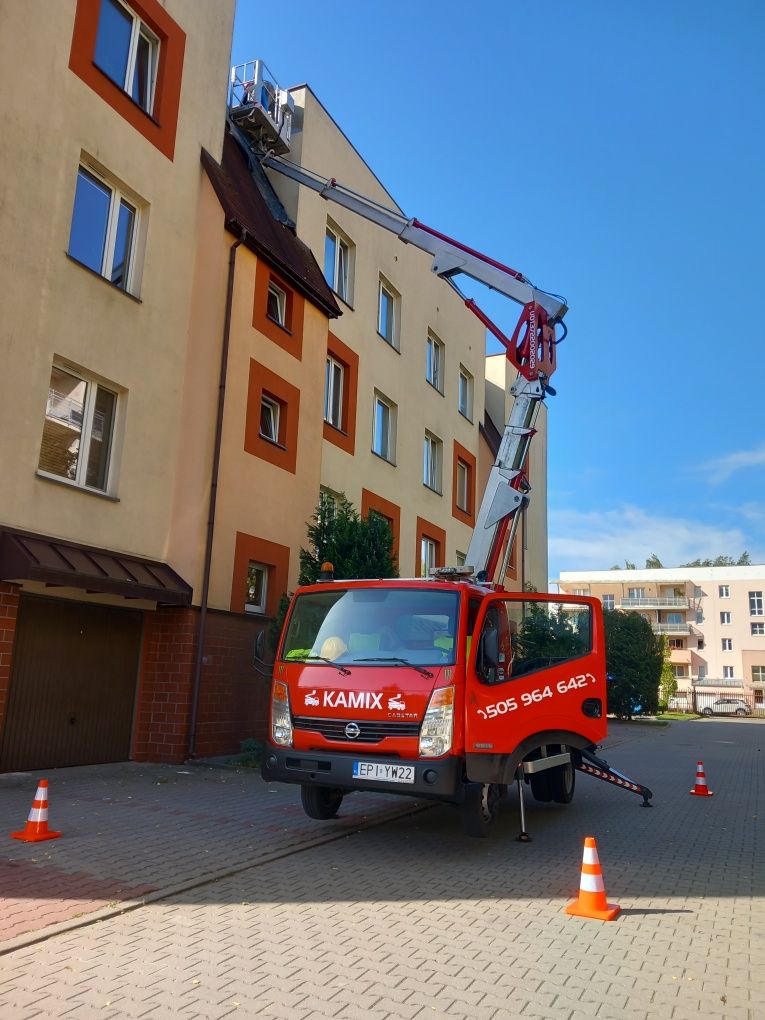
x: 442, y: 689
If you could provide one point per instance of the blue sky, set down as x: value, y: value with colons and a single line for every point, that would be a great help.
x: 613, y: 151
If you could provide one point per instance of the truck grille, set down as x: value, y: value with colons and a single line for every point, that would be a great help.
x: 372, y: 732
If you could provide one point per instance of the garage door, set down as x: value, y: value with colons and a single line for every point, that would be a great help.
x: 73, y: 685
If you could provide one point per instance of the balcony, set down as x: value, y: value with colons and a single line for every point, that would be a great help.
x: 680, y: 656
x: 708, y: 681
x: 671, y: 628
x: 653, y: 603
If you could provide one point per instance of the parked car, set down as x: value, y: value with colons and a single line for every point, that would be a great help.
x: 727, y: 706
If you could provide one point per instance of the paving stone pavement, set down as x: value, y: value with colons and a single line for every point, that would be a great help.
x: 412, y: 919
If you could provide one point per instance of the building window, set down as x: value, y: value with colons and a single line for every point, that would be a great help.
x: 725, y: 618
x: 434, y: 362
x: 608, y: 601
x: 337, y: 262
x: 104, y: 226
x: 276, y: 306
x: 699, y: 616
x: 755, y: 603
x: 432, y: 461
x: 428, y: 556
x: 384, y: 429
x: 702, y: 674
x: 257, y: 588
x: 724, y: 591
x: 78, y: 430
x: 580, y: 591
x: 460, y: 558
x: 388, y: 313
x: 333, y: 393
x: 757, y: 629
x: 463, y: 486
x: 727, y: 672
x: 679, y: 672
x: 465, y: 394
x: 727, y: 644
x: 127, y: 51
x: 676, y: 643
x: 636, y: 593
x: 758, y: 674
x: 270, y: 417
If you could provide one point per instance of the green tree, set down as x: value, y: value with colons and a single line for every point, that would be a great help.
x: 653, y: 562
x: 667, y: 680
x: 356, y: 547
x: 634, y: 656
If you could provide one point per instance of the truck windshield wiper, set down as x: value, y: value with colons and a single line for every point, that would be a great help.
x: 322, y: 658
x: 401, y: 662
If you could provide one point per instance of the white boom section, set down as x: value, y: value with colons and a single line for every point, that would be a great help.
x: 449, y: 257
x: 500, y: 499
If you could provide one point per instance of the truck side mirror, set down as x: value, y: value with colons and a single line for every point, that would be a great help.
x: 488, y: 651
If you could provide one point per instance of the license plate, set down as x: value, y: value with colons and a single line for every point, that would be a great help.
x: 383, y: 773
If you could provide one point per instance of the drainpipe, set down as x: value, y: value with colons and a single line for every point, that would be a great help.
x: 213, y: 496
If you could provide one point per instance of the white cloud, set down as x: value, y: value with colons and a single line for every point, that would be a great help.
x: 720, y: 469
x: 598, y: 540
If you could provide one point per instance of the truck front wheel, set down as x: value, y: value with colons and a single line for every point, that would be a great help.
x: 321, y: 802
x: 480, y: 807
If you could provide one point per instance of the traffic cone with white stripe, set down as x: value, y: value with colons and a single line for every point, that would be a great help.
x: 701, y: 789
x: 592, y: 894
x: 36, y: 830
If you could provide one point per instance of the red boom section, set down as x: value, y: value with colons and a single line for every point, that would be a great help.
x: 531, y: 348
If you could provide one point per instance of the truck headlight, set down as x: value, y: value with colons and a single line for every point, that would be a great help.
x: 437, y: 726
x: 281, y: 721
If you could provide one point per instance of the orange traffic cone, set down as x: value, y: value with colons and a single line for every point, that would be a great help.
x: 36, y: 829
x: 701, y: 789
x: 592, y: 895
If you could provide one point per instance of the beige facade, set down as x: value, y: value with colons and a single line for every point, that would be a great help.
x: 393, y: 370
x: 128, y: 340
x: 713, y: 618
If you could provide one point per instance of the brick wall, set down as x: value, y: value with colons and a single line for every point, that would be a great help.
x: 163, y: 705
x: 233, y: 697
x: 9, y: 607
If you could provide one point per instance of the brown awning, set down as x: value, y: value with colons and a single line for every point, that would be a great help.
x: 28, y: 557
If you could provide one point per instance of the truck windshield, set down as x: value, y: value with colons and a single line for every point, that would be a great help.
x: 405, y: 625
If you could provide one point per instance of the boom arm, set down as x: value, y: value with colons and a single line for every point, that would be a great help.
x: 531, y: 349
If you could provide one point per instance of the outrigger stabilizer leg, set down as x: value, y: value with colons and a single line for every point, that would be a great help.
x: 523, y: 836
x: 591, y: 765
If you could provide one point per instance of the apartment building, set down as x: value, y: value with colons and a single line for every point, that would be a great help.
x: 404, y: 422
x: 713, y: 618
x: 103, y: 127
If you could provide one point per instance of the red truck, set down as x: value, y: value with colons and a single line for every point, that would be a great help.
x: 447, y: 687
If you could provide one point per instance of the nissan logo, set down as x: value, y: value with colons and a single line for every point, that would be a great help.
x: 352, y: 730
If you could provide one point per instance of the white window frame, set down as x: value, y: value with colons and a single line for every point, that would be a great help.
x: 86, y: 433
x: 636, y: 593
x: 333, y: 399
x: 116, y: 198
x: 755, y: 604
x: 432, y: 463
x: 465, y: 388
x: 341, y: 277
x: 384, y: 445
x: 462, y: 497
x: 280, y: 296
x: 609, y: 601
x: 727, y: 672
x: 723, y: 591
x: 727, y: 644
x: 434, y: 362
x: 758, y: 674
x: 384, y: 287
x: 140, y: 28
x: 258, y: 606
x: 275, y: 409
x: 428, y: 555
x: 725, y: 619
x: 460, y: 558
x: 758, y: 629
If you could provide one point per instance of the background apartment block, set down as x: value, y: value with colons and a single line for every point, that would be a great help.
x: 713, y: 618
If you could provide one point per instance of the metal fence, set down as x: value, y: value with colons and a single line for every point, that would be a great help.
x: 721, y: 704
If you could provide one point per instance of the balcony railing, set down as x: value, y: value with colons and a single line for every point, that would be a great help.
x: 709, y: 681
x: 671, y: 628
x: 653, y: 603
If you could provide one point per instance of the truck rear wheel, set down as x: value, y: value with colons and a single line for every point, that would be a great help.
x: 562, y: 783
x: 540, y: 786
x: 480, y: 807
x: 321, y: 802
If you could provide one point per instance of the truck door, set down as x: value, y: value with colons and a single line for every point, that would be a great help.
x: 536, y: 669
